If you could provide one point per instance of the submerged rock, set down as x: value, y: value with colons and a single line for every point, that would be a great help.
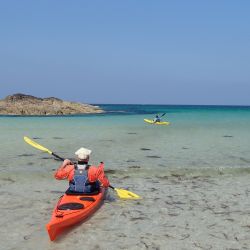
x: 21, y: 104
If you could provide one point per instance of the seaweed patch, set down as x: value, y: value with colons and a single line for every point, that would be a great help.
x: 134, y: 167
x: 110, y: 171
x: 244, y: 160
x: 55, y: 192
x: 130, y: 161
x: 22, y: 155
x: 8, y: 179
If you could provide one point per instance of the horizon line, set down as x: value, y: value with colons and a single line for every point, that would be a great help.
x: 221, y: 105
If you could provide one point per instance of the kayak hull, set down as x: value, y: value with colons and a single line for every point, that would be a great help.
x: 156, y: 123
x: 72, y: 209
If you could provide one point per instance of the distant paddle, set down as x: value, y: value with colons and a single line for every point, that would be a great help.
x: 122, y: 193
x: 162, y: 115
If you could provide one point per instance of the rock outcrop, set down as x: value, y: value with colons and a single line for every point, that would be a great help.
x: 21, y: 104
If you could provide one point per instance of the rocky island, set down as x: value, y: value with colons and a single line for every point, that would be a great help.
x: 21, y: 104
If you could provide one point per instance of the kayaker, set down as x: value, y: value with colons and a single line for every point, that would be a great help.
x: 82, y: 177
x: 156, y: 119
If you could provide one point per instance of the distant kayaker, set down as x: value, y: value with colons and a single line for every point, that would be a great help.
x: 82, y: 177
x: 156, y: 119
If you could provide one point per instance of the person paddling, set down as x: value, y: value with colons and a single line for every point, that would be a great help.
x: 83, y: 178
x: 157, y: 119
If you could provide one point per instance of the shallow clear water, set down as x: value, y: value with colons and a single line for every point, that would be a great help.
x: 198, y: 137
x: 192, y: 176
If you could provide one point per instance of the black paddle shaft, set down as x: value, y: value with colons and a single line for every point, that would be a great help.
x: 57, y: 156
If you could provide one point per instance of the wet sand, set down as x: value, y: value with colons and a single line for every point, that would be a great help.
x: 176, y: 212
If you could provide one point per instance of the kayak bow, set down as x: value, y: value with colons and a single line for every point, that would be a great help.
x: 72, y: 209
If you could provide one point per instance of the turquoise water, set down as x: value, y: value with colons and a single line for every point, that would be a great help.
x: 191, y: 175
x: 199, y: 137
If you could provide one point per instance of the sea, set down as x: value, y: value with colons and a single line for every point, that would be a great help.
x: 198, y: 138
x: 192, y: 177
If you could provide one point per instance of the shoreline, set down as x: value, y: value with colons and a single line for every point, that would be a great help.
x: 66, y: 115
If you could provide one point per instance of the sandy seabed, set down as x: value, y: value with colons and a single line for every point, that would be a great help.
x: 176, y: 212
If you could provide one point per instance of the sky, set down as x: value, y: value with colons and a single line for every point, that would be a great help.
x: 133, y: 51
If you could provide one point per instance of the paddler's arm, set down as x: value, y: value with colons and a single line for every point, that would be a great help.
x: 101, y: 175
x: 64, y: 170
x: 97, y: 173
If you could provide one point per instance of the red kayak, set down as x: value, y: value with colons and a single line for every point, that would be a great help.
x: 72, y: 209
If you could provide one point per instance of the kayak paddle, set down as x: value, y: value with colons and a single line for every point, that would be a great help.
x: 122, y: 193
x: 38, y: 146
x: 162, y: 115
x: 125, y: 194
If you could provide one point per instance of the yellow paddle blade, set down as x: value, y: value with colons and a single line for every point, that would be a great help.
x: 36, y: 145
x: 125, y: 194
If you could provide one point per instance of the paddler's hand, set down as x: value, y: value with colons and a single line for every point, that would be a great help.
x: 66, y: 162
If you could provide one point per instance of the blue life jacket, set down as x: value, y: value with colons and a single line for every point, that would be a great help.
x: 80, y: 182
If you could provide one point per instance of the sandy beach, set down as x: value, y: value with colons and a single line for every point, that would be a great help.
x: 176, y: 212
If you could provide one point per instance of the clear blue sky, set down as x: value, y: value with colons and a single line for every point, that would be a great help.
x: 133, y: 51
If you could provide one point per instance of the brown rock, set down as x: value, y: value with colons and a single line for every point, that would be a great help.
x: 21, y: 104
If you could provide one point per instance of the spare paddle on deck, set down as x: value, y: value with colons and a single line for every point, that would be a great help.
x: 122, y: 193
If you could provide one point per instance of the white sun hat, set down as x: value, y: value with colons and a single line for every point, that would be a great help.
x: 83, y: 153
